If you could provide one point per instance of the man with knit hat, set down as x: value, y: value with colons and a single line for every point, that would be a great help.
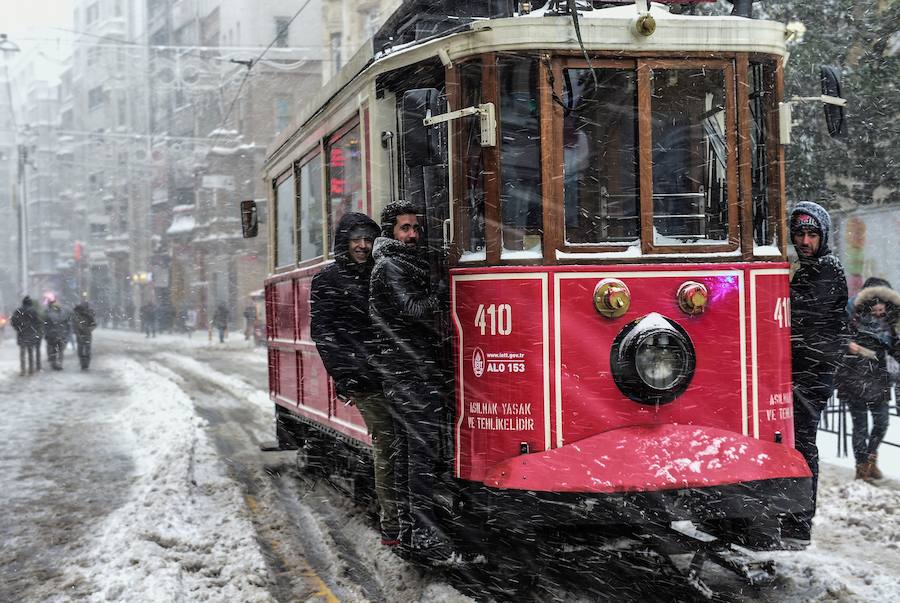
x: 818, y: 336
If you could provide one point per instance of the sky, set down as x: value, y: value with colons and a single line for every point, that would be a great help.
x: 18, y: 18
x: 31, y: 23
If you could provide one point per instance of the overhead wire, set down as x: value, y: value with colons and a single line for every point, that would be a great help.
x: 253, y: 64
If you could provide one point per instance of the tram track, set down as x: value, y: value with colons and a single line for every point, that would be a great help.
x: 299, y: 541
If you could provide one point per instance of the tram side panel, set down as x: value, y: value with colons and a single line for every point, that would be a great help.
x: 770, y: 354
x: 298, y: 380
x: 501, y: 322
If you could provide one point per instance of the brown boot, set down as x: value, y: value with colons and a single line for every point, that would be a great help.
x: 874, y: 471
x: 862, y: 471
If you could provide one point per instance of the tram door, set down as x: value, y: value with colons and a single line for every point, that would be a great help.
x: 424, y: 181
x: 424, y: 171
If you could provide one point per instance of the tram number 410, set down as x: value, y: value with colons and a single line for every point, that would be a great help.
x: 783, y: 312
x: 495, y: 319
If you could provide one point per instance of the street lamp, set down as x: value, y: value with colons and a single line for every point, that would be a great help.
x: 7, y: 46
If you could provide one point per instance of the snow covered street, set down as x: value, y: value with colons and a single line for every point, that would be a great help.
x: 142, y: 480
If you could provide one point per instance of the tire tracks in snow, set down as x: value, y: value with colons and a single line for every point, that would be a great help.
x: 308, y: 557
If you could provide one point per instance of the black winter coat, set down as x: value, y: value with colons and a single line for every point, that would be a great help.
x: 28, y: 324
x: 860, y: 378
x: 405, y: 311
x: 339, y: 314
x: 56, y: 323
x: 83, y: 320
x: 818, y: 325
x: 220, y: 317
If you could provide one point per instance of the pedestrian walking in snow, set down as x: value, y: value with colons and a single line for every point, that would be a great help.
x: 83, y: 323
x: 190, y: 322
x: 29, y: 327
x: 342, y: 329
x: 250, y: 312
x: 56, y: 333
x: 818, y: 337
x: 864, y: 377
x: 148, y: 319
x: 405, y: 312
x: 220, y: 321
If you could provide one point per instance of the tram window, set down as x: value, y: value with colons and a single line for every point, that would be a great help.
x: 345, y: 193
x: 690, y: 189
x: 520, y: 157
x: 285, y: 252
x: 309, y: 209
x: 600, y: 157
x: 472, y: 229
x: 761, y: 95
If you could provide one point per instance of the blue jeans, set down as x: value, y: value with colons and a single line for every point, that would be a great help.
x: 866, y: 442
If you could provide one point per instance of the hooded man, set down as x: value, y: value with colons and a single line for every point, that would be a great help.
x: 818, y: 336
x: 405, y: 311
x: 29, y: 327
x: 343, y: 332
x: 56, y: 332
x: 83, y: 323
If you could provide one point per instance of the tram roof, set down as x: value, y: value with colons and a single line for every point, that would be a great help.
x: 608, y: 29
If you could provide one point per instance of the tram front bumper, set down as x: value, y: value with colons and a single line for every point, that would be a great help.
x: 650, y: 474
x: 645, y: 458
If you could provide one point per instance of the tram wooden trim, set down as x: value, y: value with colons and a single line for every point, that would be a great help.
x: 551, y: 159
x: 645, y: 155
x: 457, y: 166
x: 777, y: 181
x: 744, y: 155
x: 493, y: 231
x: 733, y: 155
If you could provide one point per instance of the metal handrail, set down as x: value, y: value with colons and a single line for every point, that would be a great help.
x: 834, y: 420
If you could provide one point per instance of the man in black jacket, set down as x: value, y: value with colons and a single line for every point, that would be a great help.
x: 29, y: 327
x: 83, y: 323
x: 341, y: 327
x: 818, y: 337
x: 404, y: 311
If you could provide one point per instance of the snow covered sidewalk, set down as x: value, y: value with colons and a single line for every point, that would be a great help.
x: 115, y: 491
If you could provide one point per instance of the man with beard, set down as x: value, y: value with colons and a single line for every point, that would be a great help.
x: 405, y: 311
x: 818, y: 336
x: 342, y: 329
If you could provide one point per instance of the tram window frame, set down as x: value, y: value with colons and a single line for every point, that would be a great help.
x: 558, y: 152
x: 772, y: 87
x: 462, y: 162
x: 520, y: 219
x: 554, y: 194
x: 731, y: 241
x: 304, y: 161
x: 288, y: 174
x: 331, y: 141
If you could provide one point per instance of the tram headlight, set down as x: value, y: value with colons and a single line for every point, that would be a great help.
x: 652, y: 360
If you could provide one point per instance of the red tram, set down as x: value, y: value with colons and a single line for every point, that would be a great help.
x: 604, y: 196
